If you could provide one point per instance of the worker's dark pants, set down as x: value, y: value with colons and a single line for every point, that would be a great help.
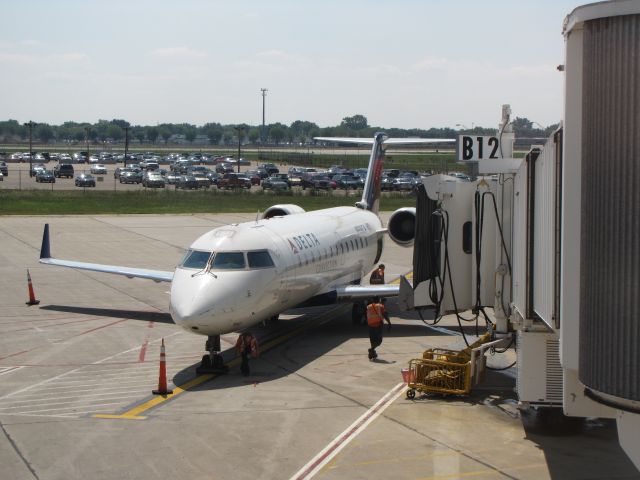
x: 375, y: 336
x: 244, y: 366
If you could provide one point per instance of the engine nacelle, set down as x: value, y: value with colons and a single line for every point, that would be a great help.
x: 402, y: 226
x: 282, y: 210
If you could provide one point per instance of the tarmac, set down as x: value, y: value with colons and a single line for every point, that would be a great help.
x: 77, y: 371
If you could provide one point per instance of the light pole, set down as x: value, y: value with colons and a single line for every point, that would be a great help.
x: 87, y: 129
x: 30, y: 124
x: 264, y: 95
x: 239, y: 132
x: 126, y: 145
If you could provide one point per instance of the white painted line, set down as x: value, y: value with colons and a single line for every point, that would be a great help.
x: 9, y: 370
x: 48, y: 380
x: 73, y: 399
x: 342, y: 440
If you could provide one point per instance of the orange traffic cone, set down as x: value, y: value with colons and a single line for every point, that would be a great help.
x: 32, y: 296
x: 162, y: 378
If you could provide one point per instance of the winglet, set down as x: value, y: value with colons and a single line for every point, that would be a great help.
x: 45, y: 250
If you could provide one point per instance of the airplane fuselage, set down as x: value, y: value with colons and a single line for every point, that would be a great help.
x: 238, y: 275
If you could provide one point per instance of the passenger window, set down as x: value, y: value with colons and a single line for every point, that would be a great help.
x: 195, y: 259
x: 260, y: 259
x: 228, y: 260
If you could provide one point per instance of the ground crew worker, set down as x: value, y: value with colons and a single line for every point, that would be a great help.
x: 246, y: 345
x: 376, y: 313
x: 377, y: 276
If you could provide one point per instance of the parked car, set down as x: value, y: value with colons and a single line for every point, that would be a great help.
x: 171, y: 178
x: 270, y: 168
x: 214, y: 177
x: 98, y: 169
x: 234, y: 180
x: 153, y: 180
x: 386, y: 183
x: 85, y: 180
x: 45, y: 176
x: 35, y: 168
x: 254, y: 176
x: 319, y: 182
x: 63, y: 170
x: 274, y: 182
x: 225, y: 168
x: 403, y: 184
x: 202, y: 179
x: 187, y: 182
x: 4, y: 169
x: 348, y: 182
x: 130, y: 176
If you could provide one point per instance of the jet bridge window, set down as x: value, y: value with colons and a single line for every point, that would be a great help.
x: 228, y: 260
x: 260, y: 259
x: 195, y: 259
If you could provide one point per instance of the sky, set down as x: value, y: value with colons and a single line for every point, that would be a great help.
x: 401, y: 64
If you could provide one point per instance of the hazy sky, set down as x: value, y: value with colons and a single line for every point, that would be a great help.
x: 406, y: 63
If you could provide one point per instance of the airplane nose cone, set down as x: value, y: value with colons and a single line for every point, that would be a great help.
x: 201, y: 303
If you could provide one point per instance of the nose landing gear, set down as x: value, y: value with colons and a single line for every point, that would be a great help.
x: 213, y: 361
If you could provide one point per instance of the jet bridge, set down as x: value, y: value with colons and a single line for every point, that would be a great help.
x: 550, y: 241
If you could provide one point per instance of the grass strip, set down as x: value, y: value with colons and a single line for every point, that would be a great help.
x: 170, y: 201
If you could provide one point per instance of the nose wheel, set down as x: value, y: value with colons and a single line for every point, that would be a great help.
x: 213, y: 362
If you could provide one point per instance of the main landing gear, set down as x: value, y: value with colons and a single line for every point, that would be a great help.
x: 213, y: 362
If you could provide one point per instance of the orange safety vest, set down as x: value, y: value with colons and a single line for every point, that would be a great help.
x: 375, y: 314
x: 252, y: 346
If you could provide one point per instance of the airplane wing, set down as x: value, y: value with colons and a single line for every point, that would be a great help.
x: 355, y: 292
x: 130, y: 272
x: 359, y: 141
x: 416, y: 141
x: 388, y: 141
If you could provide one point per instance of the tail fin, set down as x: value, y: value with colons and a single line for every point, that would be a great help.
x: 371, y: 194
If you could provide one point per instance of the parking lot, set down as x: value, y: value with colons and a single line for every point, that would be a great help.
x: 77, y: 372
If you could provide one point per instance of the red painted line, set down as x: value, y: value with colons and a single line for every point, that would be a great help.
x: 54, y: 325
x: 98, y: 328
x: 143, y: 350
x: 15, y: 354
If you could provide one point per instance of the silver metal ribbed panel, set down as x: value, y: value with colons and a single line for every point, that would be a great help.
x: 544, y: 234
x: 610, y: 231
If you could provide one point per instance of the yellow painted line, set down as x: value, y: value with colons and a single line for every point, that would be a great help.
x: 136, y: 412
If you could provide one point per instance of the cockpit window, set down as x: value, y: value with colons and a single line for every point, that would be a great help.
x: 195, y: 259
x: 228, y: 260
x: 260, y: 259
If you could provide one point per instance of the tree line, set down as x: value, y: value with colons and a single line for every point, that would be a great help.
x: 299, y: 132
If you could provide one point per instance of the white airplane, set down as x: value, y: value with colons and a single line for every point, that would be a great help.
x: 239, y: 275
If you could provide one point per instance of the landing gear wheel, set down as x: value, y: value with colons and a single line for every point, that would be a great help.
x: 213, y: 362
x: 411, y: 394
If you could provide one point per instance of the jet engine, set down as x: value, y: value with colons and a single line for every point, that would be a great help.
x: 402, y: 226
x: 282, y: 210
